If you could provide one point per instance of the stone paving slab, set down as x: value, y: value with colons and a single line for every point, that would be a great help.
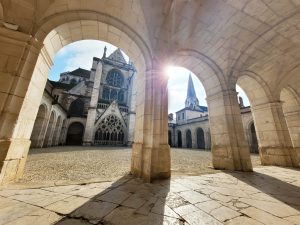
x: 220, y: 198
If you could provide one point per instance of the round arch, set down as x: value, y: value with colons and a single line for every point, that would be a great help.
x: 256, y: 89
x: 75, y: 134
x: 179, y: 139
x: 207, y: 71
x: 96, y: 26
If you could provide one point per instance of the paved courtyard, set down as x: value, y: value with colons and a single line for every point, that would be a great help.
x: 65, y: 165
x: 270, y: 195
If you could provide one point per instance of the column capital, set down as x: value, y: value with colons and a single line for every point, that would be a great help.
x: 157, y: 74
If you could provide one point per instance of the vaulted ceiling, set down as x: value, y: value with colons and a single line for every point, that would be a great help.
x: 261, y: 37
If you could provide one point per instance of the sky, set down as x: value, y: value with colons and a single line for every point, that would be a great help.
x: 81, y: 53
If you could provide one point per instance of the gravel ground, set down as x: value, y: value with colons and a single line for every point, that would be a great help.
x: 77, y: 164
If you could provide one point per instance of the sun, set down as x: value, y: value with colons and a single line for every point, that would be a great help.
x: 171, y: 70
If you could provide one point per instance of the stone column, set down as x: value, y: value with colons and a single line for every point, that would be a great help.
x: 275, y: 146
x: 88, y: 138
x: 151, y: 151
x: 207, y: 139
x: 229, y: 148
x: 194, y: 138
x: 20, y: 94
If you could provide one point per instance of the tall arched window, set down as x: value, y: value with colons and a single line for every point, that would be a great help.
x: 110, y: 131
x: 105, y: 93
x: 115, y: 78
x: 113, y: 94
x: 76, y: 108
x: 121, y: 96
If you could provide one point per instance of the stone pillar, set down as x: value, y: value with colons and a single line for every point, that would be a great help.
x: 194, y: 138
x: 207, y: 139
x: 275, y: 146
x: 88, y: 138
x: 20, y: 94
x: 229, y: 148
x: 151, y: 151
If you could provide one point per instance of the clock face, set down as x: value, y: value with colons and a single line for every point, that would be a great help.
x: 115, y: 78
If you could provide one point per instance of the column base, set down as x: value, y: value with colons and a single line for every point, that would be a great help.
x: 13, y: 155
x: 151, y: 163
x: 278, y: 156
x: 222, y: 158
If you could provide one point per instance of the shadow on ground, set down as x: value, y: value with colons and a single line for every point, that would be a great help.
x: 127, y: 201
x: 283, y: 191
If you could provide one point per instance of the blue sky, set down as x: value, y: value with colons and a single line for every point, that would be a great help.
x: 81, y: 53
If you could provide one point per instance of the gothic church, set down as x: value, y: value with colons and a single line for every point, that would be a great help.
x: 88, y: 107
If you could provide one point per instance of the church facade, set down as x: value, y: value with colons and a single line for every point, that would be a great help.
x: 191, y: 128
x: 88, y: 107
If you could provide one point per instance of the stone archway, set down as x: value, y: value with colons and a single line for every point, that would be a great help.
x: 75, y: 134
x: 219, y: 93
x: 200, y: 138
x: 188, y: 138
x: 271, y: 128
x: 38, y: 126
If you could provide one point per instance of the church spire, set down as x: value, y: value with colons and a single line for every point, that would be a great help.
x: 191, y: 98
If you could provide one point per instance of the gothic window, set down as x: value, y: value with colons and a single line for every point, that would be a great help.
x: 113, y: 95
x: 110, y: 131
x: 105, y: 93
x: 121, y: 96
x: 115, y: 78
x: 76, y: 108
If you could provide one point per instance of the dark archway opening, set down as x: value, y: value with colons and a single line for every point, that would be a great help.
x: 75, y: 134
x: 179, y: 139
x: 200, y: 138
x: 188, y: 139
x: 170, y: 138
x: 254, y: 143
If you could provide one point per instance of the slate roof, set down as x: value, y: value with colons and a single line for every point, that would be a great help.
x: 60, y: 85
x: 81, y: 73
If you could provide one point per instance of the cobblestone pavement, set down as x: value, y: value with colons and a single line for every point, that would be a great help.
x: 79, y: 164
x: 270, y: 195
